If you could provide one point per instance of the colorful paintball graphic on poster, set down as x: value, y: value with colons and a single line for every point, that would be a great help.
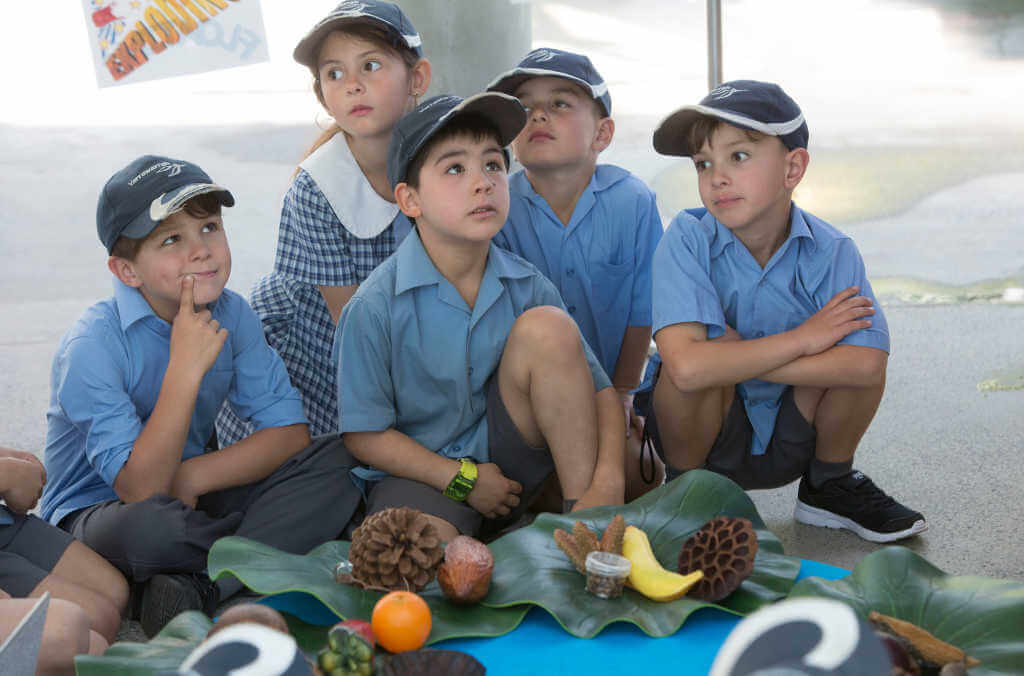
x: 138, y: 40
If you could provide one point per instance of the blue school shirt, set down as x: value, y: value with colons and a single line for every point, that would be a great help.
x: 106, y: 378
x: 414, y: 357
x: 703, y: 273
x: 601, y: 261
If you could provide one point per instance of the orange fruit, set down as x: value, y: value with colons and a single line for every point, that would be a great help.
x: 401, y: 621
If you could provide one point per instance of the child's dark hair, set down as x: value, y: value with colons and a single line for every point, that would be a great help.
x: 471, y: 125
x: 371, y: 32
x: 704, y: 128
x: 200, y: 206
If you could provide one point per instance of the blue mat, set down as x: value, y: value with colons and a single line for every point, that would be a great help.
x: 539, y: 645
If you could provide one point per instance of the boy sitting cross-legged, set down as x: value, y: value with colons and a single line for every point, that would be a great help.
x: 136, y: 385
x: 463, y: 384
x: 773, y: 349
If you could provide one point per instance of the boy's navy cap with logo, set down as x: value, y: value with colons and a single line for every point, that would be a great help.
x: 748, y: 104
x: 386, y: 13
x: 416, y: 127
x: 151, y: 188
x: 546, y: 62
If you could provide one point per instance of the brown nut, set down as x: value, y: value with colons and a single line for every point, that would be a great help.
x: 465, y: 574
x: 251, y: 613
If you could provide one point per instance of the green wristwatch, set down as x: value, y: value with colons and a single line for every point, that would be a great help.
x: 463, y: 482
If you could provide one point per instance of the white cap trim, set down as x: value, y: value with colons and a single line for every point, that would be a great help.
x: 770, y: 128
x: 597, y: 91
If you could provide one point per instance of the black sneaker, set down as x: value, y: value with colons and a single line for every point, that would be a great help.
x: 854, y: 502
x: 167, y: 596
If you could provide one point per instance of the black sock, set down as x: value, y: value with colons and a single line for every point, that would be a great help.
x: 819, y: 472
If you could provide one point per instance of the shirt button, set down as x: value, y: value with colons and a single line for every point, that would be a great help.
x: 759, y: 334
x: 470, y: 370
x: 572, y: 309
x: 456, y: 448
x: 570, y: 272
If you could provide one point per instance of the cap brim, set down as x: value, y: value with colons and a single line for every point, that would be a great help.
x: 509, y: 82
x: 502, y: 110
x: 672, y: 137
x: 306, y: 51
x: 171, y: 202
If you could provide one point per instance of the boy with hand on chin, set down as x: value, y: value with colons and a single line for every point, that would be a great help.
x: 462, y: 382
x: 137, y: 383
x: 773, y: 348
x: 591, y: 229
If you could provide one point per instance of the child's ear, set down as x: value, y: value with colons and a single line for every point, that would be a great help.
x: 797, y: 160
x: 605, y: 132
x: 408, y: 200
x: 419, y: 80
x: 124, y: 270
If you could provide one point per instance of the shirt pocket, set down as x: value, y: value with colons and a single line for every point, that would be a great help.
x: 611, y: 285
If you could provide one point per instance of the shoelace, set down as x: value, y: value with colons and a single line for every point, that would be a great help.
x: 872, y: 494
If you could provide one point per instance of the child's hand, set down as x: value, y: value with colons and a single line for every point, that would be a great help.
x: 25, y: 480
x: 841, y: 316
x: 22, y: 455
x: 196, y: 337
x: 494, y: 494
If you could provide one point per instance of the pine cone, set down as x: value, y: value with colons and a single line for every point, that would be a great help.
x: 397, y: 548
x: 724, y: 549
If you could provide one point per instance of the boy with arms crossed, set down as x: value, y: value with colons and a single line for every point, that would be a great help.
x: 462, y: 382
x: 137, y: 383
x: 591, y: 229
x: 773, y: 349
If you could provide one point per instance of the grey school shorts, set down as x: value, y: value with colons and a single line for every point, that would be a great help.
x: 787, y: 457
x: 518, y: 461
x: 29, y: 550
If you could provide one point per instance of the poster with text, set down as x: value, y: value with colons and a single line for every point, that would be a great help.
x: 138, y: 40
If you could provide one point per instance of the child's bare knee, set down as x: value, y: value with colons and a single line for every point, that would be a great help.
x: 65, y: 635
x: 546, y: 330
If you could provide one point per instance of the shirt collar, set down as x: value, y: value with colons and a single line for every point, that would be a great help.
x: 414, y: 267
x: 131, y: 304
x: 357, y: 205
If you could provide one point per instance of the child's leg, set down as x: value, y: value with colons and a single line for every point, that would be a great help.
x: 689, y: 422
x: 548, y: 392
x: 841, y: 416
x: 84, y: 577
x: 66, y: 633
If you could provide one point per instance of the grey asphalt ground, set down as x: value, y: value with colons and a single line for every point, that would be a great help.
x: 938, y: 443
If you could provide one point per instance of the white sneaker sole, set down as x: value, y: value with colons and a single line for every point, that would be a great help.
x: 814, y: 516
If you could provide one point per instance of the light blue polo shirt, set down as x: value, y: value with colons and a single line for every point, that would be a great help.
x: 106, y: 378
x: 703, y: 273
x: 414, y: 357
x: 601, y: 261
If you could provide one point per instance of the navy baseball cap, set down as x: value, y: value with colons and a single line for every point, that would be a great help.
x: 416, y: 127
x: 387, y: 14
x: 151, y: 188
x: 748, y: 104
x: 545, y: 62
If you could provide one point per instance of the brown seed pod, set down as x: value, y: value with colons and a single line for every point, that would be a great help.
x: 928, y: 649
x: 465, y: 574
x: 611, y: 541
x: 251, y: 613
x: 724, y: 549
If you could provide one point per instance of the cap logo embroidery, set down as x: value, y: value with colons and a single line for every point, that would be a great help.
x: 724, y: 92
x: 171, y: 168
x: 541, y: 55
x: 350, y: 8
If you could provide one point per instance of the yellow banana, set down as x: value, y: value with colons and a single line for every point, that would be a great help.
x: 647, y: 576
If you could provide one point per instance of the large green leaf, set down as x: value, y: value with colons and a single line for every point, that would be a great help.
x: 982, y: 616
x: 530, y: 568
x: 270, y: 571
x: 165, y: 652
